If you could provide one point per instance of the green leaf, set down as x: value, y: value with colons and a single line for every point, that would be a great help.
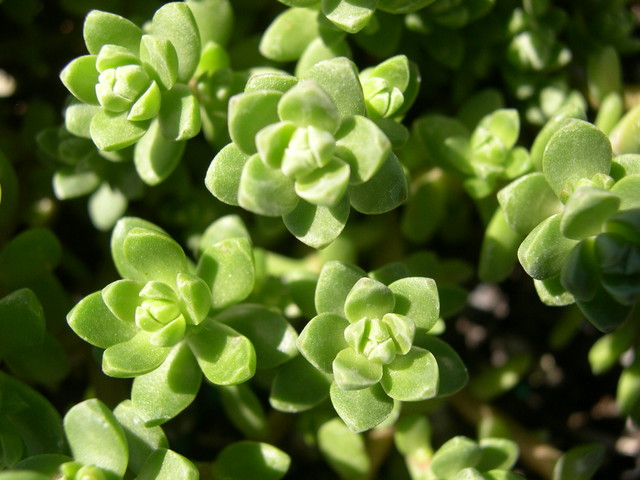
x: 69, y: 183
x: 96, y: 438
x: 155, y: 157
x: 339, y: 78
x: 603, y: 311
x: 277, y: 81
x: 322, y: 339
x: 159, y: 55
x: 383, y: 192
x: 334, y: 284
x: 368, y: 299
x: 179, y: 114
x: 325, y: 186
x: 577, y: 150
x: 106, y: 206
x: 46, y: 464
x: 77, y: 119
x: 628, y: 188
x: 113, y: 131
x: 580, y: 273
x: 165, y: 464
x: 498, y: 253
x: 175, y: 23
x: 363, y: 146
x: 38, y: 422
x: 454, y: 455
x: 504, y: 124
x: 22, y: 322
x: 244, y: 409
x: 361, y: 409
x: 154, y: 255
x: 344, y: 450
x: 551, y: 292
x: 249, y: 113
x: 417, y: 298
x: 545, y: 249
x: 248, y: 460
x: 273, y: 338
x: 628, y: 391
x: 195, y: 297
x: 624, y: 136
x: 92, y: 321
x: 298, y: 386
x: 264, y: 190
x: 163, y: 393
x: 141, y: 440
x: 315, y: 225
x: 46, y: 362
x: 319, y: 50
x: 147, y: 106
x: 579, y: 463
x: 403, y: 6
x: 527, y: 201
x: 103, y: 28
x: 586, y: 211
x: 353, y: 371
x: 497, y: 454
x: 289, y: 34
x: 223, y: 228
x: 119, y: 235
x: 223, y: 175
x: 349, y: 15
x: 29, y: 255
x: 80, y: 76
x: 452, y: 372
x: 411, y: 377
x: 307, y: 104
x: 133, y: 357
x: 225, y: 356
x: 227, y: 268
x: 214, y: 19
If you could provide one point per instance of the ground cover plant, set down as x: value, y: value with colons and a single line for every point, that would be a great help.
x: 263, y: 239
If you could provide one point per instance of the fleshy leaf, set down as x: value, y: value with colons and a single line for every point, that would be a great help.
x: 113, y: 131
x: 227, y: 268
x: 578, y: 150
x: 174, y: 22
x: 249, y: 113
x: 322, y: 339
x: 118, y: 237
x: 411, y: 377
x: 290, y: 394
x: 326, y: 186
x: 264, y: 190
x: 368, y: 299
x: 362, y: 145
x: 383, y: 192
x: 579, y: 463
x: 452, y: 373
x: 154, y: 255
x: 179, y: 113
x: 77, y: 119
x: 165, y: 464
x: 22, y: 322
x: 141, y: 440
x: 163, y: 393
x: 122, y: 298
x: 96, y: 438
x: 308, y: 104
x: 353, y: 371
x: 317, y: 226
x: 417, y: 298
x: 195, y: 296
x: 527, y: 201
x: 586, y: 210
x: 339, y: 78
x: 247, y: 459
x: 344, y: 450
x: 454, y: 455
x: 497, y: 453
x: 28, y: 256
x: 273, y: 338
x: 289, y: 34
x: 92, y: 321
x: 361, y: 409
x: 349, y: 15
x: 134, y: 357
x: 161, y: 57
x: 80, y: 77
x: 225, y: 356
x: 103, y: 28
x: 155, y: 157
x: 543, y: 252
x: 223, y: 175
x: 334, y: 284
x: 498, y: 253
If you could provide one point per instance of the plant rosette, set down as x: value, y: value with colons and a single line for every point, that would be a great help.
x: 168, y: 321
x: 133, y: 86
x: 304, y: 150
x: 371, y: 338
x: 580, y: 220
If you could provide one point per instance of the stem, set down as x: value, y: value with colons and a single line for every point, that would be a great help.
x: 534, y: 453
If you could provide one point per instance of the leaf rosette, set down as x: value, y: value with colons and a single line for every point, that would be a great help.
x: 581, y: 238
x: 305, y: 150
x: 371, y: 339
x: 134, y: 85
